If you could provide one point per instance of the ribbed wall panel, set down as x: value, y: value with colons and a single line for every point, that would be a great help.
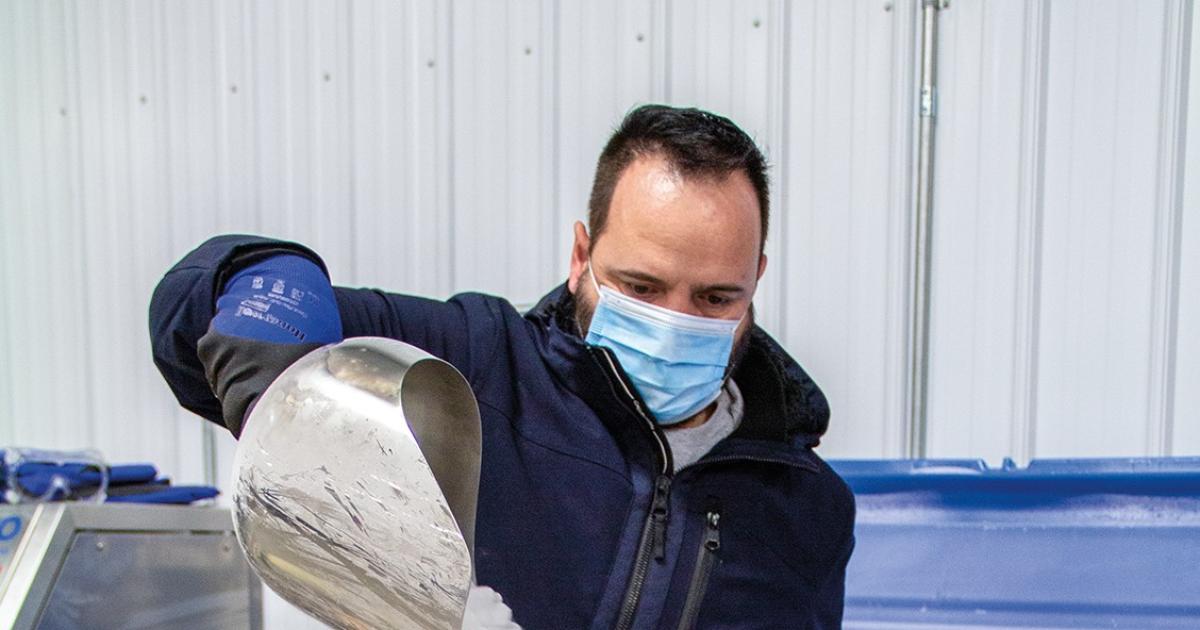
x: 987, y: 157
x: 1102, y: 228
x: 1185, y: 431
x: 433, y: 147
x: 843, y: 222
x: 723, y: 55
x: 630, y: 37
x: 1056, y: 215
x: 503, y: 157
x: 401, y: 117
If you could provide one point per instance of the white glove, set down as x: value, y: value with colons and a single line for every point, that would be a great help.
x: 486, y: 610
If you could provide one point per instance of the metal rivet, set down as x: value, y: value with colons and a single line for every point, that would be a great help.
x: 887, y: 6
x: 233, y: 89
x: 429, y: 63
x: 142, y: 99
x: 757, y: 23
x: 99, y: 545
x: 326, y: 76
x: 62, y: 111
x: 641, y: 37
x: 528, y: 50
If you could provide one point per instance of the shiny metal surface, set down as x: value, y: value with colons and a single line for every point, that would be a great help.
x: 127, y: 566
x: 355, y: 485
x: 144, y: 581
x: 39, y: 549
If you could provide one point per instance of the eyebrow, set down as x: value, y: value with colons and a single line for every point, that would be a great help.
x: 633, y: 274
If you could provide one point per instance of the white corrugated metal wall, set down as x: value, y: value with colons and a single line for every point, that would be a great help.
x: 434, y: 147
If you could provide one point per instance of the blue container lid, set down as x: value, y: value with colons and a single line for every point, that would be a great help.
x: 1082, y: 543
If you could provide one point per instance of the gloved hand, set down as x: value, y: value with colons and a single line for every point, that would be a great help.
x: 269, y: 314
x: 283, y: 299
x: 486, y: 610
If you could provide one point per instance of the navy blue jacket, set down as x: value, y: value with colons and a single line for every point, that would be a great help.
x: 581, y: 521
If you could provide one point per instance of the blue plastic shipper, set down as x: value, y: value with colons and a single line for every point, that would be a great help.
x: 1102, y: 543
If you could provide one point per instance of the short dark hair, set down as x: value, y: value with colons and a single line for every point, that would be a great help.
x: 696, y: 144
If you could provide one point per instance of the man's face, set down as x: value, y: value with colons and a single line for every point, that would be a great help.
x: 691, y: 246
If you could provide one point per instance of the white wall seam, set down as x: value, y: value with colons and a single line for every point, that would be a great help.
x: 72, y: 111
x: 849, y: 100
x: 445, y: 42
x: 555, y: 194
x: 779, y: 22
x: 8, y: 204
x: 37, y: 185
x: 139, y: 154
x: 85, y: 137
x: 109, y: 142
x: 251, y: 73
x: 551, y: 166
x: 664, y: 70
x: 349, y: 71
x: 220, y: 106
x: 7, y: 323
x: 18, y: 226
x: 314, y: 170
x: 222, y: 90
x: 190, y: 456
x: 1168, y: 204
x: 1186, y: 434
x: 1029, y: 228
x: 37, y: 190
x: 287, y: 121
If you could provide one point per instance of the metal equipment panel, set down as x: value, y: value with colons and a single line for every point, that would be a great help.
x: 68, y: 565
x: 130, y: 581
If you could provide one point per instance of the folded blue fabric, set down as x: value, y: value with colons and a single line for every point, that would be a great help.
x: 36, y: 478
x: 127, y: 483
x: 174, y: 495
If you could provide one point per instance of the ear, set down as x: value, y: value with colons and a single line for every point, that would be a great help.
x: 579, y: 256
x: 762, y: 265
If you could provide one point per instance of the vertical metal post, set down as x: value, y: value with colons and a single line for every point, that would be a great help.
x: 918, y: 420
x: 209, y: 446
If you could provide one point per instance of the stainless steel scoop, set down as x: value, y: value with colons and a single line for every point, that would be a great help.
x: 356, y: 478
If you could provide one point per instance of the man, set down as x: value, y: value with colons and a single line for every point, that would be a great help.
x: 647, y: 450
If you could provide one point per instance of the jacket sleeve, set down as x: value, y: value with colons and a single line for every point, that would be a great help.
x: 463, y: 330
x: 830, y: 601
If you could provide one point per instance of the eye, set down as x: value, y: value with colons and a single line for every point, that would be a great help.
x: 716, y: 300
x: 640, y: 289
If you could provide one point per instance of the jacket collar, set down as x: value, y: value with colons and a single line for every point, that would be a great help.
x: 783, y: 404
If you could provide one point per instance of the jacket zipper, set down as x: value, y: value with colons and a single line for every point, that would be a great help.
x: 706, y: 558
x: 653, y: 542
x: 654, y: 532
x: 665, y: 457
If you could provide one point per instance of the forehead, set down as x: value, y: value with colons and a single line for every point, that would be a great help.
x: 703, y: 229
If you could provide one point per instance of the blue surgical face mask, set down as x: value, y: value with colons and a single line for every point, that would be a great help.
x: 676, y: 361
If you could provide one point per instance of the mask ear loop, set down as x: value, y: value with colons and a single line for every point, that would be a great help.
x: 591, y: 271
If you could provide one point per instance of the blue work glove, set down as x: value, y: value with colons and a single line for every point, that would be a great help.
x: 269, y: 314
x: 283, y: 299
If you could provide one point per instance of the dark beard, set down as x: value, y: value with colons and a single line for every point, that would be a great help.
x: 585, y: 308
